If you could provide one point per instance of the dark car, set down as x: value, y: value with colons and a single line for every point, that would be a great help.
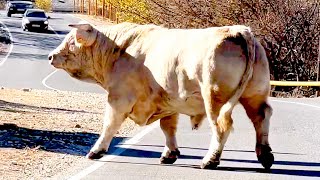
x: 18, y: 7
x: 35, y: 19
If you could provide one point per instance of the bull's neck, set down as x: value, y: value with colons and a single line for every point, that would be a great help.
x: 111, y: 43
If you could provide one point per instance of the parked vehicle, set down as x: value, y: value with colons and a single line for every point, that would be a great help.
x: 35, y: 19
x: 18, y: 7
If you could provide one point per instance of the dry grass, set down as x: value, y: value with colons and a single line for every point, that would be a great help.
x: 44, y: 133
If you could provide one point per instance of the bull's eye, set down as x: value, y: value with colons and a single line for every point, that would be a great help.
x: 77, y: 74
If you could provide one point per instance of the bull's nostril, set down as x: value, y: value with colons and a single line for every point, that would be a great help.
x: 50, y: 58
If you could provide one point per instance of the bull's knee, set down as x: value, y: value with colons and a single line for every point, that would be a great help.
x: 224, y: 123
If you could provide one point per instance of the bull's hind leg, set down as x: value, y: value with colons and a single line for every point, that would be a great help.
x: 169, y: 127
x: 219, y: 135
x: 259, y: 111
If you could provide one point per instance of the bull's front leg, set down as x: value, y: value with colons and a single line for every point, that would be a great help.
x: 169, y: 127
x: 111, y: 124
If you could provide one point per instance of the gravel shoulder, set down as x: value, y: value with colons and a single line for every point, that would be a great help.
x: 46, y: 134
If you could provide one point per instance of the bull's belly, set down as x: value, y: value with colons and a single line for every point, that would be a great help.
x: 143, y: 120
x: 190, y: 106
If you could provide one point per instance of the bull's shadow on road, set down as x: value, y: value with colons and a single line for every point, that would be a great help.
x: 73, y: 143
x: 131, y: 152
x: 18, y: 107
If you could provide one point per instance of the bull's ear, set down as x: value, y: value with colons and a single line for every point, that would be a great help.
x: 86, y: 34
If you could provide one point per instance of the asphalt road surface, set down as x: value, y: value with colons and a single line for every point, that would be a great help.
x: 294, y: 131
x: 27, y: 65
x: 294, y: 137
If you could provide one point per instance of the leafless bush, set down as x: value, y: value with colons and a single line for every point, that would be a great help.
x: 288, y: 29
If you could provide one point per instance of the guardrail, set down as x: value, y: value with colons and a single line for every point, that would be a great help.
x: 295, y: 83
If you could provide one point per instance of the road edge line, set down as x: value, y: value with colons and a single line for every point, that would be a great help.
x: 298, y: 103
x: 51, y: 74
x: 11, y: 45
x: 122, y: 148
x: 46, y: 78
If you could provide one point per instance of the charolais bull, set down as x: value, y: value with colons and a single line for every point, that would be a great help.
x: 151, y: 72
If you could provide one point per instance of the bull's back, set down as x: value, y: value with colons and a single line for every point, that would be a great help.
x: 180, y: 60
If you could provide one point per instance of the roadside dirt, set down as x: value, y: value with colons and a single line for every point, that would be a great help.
x: 46, y: 134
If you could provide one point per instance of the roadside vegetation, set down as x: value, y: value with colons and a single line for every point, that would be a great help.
x: 46, y: 5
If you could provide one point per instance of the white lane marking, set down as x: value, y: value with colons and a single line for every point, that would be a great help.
x: 44, y: 81
x: 298, y: 103
x: 11, y: 45
x: 46, y: 78
x: 122, y: 148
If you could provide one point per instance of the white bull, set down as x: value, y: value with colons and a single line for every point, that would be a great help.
x: 151, y: 73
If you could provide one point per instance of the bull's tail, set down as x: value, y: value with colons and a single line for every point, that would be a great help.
x: 224, y: 122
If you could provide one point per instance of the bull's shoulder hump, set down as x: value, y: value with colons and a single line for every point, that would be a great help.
x: 231, y: 30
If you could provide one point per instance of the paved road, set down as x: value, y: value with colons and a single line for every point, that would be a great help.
x: 294, y: 137
x: 27, y: 65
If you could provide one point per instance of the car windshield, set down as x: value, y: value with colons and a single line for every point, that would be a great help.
x: 36, y: 14
x: 21, y: 5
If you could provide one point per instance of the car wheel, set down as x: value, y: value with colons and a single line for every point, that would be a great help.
x: 23, y: 28
x: 9, y: 14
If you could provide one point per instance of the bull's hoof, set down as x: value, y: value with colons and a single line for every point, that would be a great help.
x: 210, y: 165
x: 93, y: 155
x: 266, y: 159
x: 173, y: 156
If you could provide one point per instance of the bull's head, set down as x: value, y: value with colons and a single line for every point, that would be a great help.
x: 73, y: 55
